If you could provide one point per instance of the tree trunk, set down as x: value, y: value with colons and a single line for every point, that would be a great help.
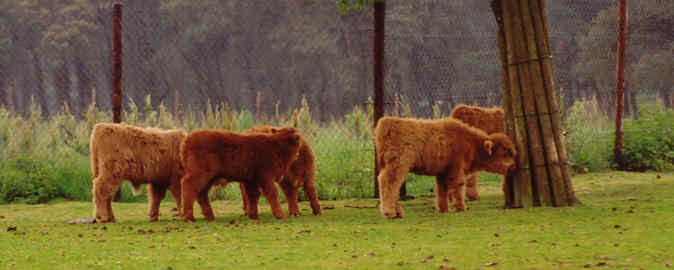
x: 85, y: 86
x: 3, y: 92
x: 39, y: 80
x: 620, y: 86
x: 62, y: 84
x: 633, y: 103
x: 667, y: 97
x: 533, y: 118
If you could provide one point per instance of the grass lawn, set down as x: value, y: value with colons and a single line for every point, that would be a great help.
x: 626, y: 222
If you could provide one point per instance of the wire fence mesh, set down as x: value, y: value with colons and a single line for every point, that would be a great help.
x: 235, y: 64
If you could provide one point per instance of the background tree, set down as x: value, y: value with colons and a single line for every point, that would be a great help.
x: 437, y: 53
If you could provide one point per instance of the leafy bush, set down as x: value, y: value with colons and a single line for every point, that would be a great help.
x: 44, y: 159
x: 589, y: 137
x: 649, y: 141
x: 27, y: 180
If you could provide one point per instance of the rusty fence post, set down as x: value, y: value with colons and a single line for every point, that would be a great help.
x: 117, y: 63
x: 117, y: 70
x: 620, y: 84
x: 379, y: 32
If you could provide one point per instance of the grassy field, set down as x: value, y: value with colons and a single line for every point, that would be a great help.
x: 626, y: 222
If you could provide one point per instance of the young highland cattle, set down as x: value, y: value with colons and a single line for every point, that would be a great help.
x: 140, y: 155
x: 445, y: 148
x: 256, y: 159
x: 490, y: 120
x: 300, y: 174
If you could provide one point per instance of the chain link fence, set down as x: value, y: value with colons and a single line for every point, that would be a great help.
x: 236, y: 64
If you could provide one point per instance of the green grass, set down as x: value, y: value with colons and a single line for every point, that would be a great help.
x: 626, y: 222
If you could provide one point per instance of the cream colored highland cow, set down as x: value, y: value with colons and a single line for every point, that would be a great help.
x: 445, y: 148
x: 140, y: 155
x: 491, y: 121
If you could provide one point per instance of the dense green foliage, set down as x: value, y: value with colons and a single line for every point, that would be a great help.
x: 588, y: 137
x: 46, y: 159
x: 649, y: 140
x: 49, y: 158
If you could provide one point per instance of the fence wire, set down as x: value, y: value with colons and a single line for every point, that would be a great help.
x: 236, y: 64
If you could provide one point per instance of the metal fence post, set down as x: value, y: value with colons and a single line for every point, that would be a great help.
x: 620, y: 83
x: 117, y: 70
x: 117, y: 63
x: 379, y: 32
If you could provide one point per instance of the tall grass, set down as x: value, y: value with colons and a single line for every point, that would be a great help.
x: 588, y: 136
x: 48, y: 157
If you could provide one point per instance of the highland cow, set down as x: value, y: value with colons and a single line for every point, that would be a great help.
x: 445, y: 148
x: 255, y: 159
x: 139, y: 155
x: 491, y: 121
x: 300, y: 174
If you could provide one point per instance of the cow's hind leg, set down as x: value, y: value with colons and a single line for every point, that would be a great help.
x: 290, y: 191
x: 253, y: 195
x: 244, y: 197
x: 271, y: 193
x: 174, y: 187
x: 192, y: 186
x: 310, y: 193
x: 205, y: 204
x: 156, y: 193
x: 441, y: 194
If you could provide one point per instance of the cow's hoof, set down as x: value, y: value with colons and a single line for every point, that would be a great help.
x: 391, y: 214
x: 104, y: 220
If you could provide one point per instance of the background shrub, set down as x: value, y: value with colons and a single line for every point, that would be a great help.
x: 588, y: 137
x: 649, y: 140
x: 47, y: 158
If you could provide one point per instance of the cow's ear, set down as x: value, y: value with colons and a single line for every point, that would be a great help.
x: 488, y: 145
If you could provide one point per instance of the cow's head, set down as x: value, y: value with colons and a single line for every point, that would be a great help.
x: 498, y: 155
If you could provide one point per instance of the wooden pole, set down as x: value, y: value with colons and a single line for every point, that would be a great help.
x: 117, y: 63
x: 258, y: 101
x: 379, y: 32
x: 533, y: 117
x: 620, y: 84
x: 10, y: 99
x: 523, y: 195
x: 117, y: 70
x: 564, y: 192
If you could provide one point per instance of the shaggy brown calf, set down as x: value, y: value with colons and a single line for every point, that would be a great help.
x: 489, y: 120
x: 300, y: 174
x: 255, y: 159
x: 140, y: 155
x: 446, y: 148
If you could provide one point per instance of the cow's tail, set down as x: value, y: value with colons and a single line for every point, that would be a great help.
x: 94, y: 154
